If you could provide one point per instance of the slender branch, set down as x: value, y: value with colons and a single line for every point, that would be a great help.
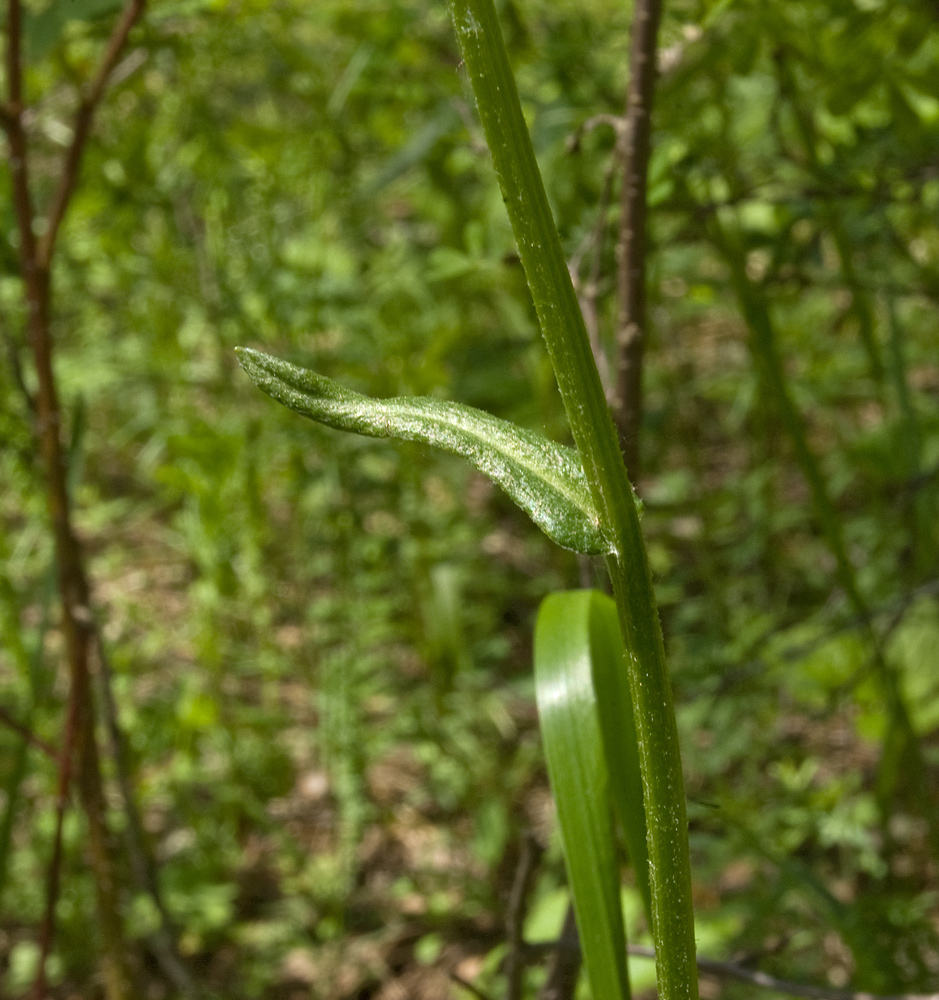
x: 588, y: 293
x: 16, y: 368
x: 729, y: 970
x: 561, y: 983
x: 14, y: 57
x: 72, y: 580
x: 27, y: 734
x: 635, y: 146
x: 162, y: 941
x: 83, y: 121
x: 467, y: 985
x: 594, y: 122
x: 515, y: 916
x: 66, y: 764
x: 539, y: 246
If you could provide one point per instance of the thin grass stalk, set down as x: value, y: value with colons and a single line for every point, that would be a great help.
x: 54, y: 871
x: 902, y: 752
x: 562, y: 324
x: 35, y: 258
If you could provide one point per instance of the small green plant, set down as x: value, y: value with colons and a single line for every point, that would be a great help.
x: 603, y: 692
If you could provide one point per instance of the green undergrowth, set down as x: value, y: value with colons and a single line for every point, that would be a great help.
x: 322, y: 643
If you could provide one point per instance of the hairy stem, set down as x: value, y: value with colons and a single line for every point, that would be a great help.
x: 563, y: 327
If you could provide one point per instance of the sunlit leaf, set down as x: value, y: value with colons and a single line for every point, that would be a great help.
x: 574, y: 750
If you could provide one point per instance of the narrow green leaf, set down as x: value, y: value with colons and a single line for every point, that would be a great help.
x: 618, y: 726
x: 570, y: 730
x: 544, y: 478
x: 487, y: 63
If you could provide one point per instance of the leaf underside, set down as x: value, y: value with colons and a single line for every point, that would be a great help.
x: 545, y: 479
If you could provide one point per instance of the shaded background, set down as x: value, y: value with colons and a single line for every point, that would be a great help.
x: 321, y: 643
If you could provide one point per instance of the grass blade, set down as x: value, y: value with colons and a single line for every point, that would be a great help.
x: 570, y: 728
x: 618, y: 727
x: 487, y: 63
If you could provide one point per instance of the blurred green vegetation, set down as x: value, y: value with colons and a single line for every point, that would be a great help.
x: 321, y: 643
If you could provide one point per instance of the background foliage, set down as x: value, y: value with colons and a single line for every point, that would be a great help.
x: 321, y: 642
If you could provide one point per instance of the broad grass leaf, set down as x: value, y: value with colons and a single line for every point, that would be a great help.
x: 574, y: 750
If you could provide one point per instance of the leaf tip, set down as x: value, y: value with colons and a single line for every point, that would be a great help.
x: 247, y: 357
x: 259, y: 367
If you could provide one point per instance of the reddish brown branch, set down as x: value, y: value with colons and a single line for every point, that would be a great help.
x: 47, y: 928
x: 515, y: 917
x: 564, y: 969
x: 31, y: 738
x: 80, y: 751
x: 83, y: 120
x: 14, y: 55
x: 635, y: 146
x: 729, y: 970
x: 162, y: 941
x: 468, y: 986
x: 588, y: 293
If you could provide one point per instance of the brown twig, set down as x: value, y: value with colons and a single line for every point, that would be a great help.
x: 467, y: 985
x: 635, y: 146
x: 47, y: 928
x: 80, y: 752
x: 16, y: 369
x: 31, y: 738
x: 594, y: 122
x: 14, y: 57
x: 515, y: 916
x: 730, y: 970
x: 561, y: 983
x: 162, y: 942
x: 83, y: 119
x: 587, y: 294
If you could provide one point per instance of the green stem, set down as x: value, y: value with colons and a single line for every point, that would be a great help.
x: 539, y: 245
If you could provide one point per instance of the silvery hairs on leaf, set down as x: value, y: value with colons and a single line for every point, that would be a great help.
x: 544, y: 478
